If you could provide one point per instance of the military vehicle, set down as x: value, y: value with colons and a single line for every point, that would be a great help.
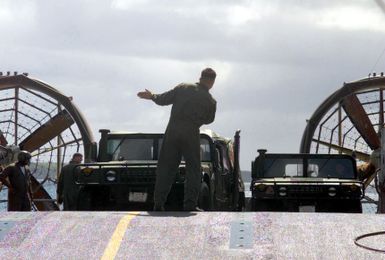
x: 124, y: 176
x: 305, y: 182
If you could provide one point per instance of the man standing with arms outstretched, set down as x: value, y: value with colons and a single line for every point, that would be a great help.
x: 192, y: 106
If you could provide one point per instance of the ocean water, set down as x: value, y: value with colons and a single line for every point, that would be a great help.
x: 368, y: 208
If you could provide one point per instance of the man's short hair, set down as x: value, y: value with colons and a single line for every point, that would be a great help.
x: 208, y: 73
x: 77, y: 155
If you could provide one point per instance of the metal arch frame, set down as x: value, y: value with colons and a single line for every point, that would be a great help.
x: 7, y: 82
x: 347, y: 89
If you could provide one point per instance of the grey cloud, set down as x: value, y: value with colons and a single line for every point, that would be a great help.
x: 166, y: 34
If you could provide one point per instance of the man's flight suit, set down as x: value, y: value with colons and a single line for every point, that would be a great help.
x: 192, y: 106
x: 67, y: 190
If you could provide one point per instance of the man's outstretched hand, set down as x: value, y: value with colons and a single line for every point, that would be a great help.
x: 145, y: 94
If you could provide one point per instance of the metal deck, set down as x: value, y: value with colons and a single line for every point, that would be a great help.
x: 180, y: 235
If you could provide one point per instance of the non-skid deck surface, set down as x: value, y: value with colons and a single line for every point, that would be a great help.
x: 180, y: 235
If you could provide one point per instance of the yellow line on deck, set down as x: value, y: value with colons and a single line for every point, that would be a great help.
x: 116, y: 239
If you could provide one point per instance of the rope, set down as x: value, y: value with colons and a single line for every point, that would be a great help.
x: 377, y: 61
x: 369, y: 235
x: 381, y: 4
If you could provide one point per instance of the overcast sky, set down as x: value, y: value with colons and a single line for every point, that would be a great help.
x: 276, y: 61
